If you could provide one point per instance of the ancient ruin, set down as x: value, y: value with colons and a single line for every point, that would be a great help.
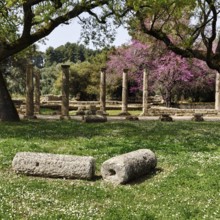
x: 126, y: 167
x: 54, y: 165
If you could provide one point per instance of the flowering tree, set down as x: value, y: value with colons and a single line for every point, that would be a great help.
x: 202, y: 83
x: 181, y: 76
x: 168, y: 71
x: 135, y: 58
x: 188, y: 28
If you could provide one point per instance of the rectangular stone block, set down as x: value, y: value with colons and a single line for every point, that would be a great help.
x: 54, y: 165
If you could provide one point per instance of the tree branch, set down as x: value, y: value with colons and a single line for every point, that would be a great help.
x: 29, y: 38
x: 185, y: 52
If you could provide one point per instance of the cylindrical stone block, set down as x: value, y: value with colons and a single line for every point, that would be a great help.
x: 54, y: 165
x: 125, y: 91
x: 37, y: 91
x: 65, y: 91
x: 103, y: 90
x: 121, y: 169
x: 145, y: 92
x: 29, y: 91
x: 217, y: 92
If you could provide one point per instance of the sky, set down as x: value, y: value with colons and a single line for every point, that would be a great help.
x: 71, y: 33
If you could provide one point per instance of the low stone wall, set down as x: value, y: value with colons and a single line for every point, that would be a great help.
x: 181, y: 112
x: 116, y: 105
x: 196, y: 105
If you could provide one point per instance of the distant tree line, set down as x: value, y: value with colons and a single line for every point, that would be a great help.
x: 71, y: 52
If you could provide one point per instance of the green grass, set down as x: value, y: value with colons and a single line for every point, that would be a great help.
x: 117, y: 112
x: 185, y: 186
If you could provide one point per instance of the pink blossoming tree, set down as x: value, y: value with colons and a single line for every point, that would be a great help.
x: 169, y: 73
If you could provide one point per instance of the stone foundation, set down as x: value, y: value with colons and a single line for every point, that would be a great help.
x: 180, y: 112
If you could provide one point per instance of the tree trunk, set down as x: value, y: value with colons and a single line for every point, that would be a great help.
x: 8, y: 111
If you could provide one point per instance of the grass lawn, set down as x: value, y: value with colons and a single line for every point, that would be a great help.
x: 185, y: 186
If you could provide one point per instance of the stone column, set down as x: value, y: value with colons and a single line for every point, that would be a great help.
x: 126, y: 167
x: 145, y: 93
x: 37, y: 91
x: 103, y: 90
x: 29, y: 92
x: 65, y: 92
x: 54, y: 165
x: 217, y: 92
x: 124, y: 109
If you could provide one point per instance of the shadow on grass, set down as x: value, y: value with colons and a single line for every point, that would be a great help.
x: 144, y: 178
x: 42, y: 177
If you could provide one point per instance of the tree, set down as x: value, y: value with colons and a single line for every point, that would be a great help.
x: 176, y: 76
x: 15, y: 68
x: 49, y: 76
x: 189, y: 28
x: 24, y: 22
x: 202, y: 85
x: 134, y: 57
x: 168, y: 72
x: 71, y: 52
x: 85, y: 77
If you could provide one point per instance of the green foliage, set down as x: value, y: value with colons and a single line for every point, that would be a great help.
x: 185, y: 185
x: 49, y: 76
x: 84, y: 77
x: 80, y: 80
x: 71, y: 52
x: 14, y: 68
x: 188, y: 28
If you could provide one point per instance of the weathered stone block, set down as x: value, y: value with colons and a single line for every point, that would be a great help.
x: 81, y: 110
x: 91, y: 109
x: 54, y: 165
x: 94, y: 118
x: 121, y: 169
x: 198, y: 117
x: 132, y: 118
x: 166, y: 117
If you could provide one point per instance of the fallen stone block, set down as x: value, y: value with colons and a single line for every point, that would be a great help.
x: 198, y: 117
x: 54, y: 165
x: 94, y: 118
x: 91, y: 110
x: 121, y: 169
x: 81, y: 110
x: 166, y: 117
x: 132, y: 118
